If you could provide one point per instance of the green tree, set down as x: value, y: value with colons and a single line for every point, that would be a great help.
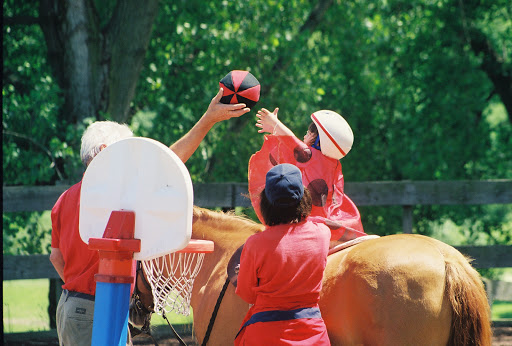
x: 424, y: 84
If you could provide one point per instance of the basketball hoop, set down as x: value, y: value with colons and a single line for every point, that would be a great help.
x: 172, y: 276
x: 145, y: 179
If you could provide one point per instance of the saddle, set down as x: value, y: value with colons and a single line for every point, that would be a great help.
x: 335, y: 246
x: 234, y: 265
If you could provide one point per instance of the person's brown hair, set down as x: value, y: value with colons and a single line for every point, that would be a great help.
x: 312, y: 128
x: 274, y: 215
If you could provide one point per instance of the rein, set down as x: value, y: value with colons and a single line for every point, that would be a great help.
x: 214, y: 313
x: 182, y: 343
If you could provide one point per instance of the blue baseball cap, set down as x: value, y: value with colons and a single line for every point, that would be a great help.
x: 284, y: 182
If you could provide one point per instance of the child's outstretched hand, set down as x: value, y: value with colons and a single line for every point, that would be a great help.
x: 267, y: 121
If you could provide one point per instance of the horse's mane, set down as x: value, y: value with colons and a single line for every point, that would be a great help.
x: 225, y: 220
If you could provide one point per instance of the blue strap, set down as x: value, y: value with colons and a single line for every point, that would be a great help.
x: 316, y: 145
x: 281, y: 315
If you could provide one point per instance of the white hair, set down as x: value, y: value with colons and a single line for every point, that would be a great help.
x: 101, y: 133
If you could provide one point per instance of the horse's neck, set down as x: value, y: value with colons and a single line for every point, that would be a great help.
x: 228, y: 233
x: 223, y: 229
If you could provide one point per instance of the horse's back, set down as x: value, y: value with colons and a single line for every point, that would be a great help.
x: 394, y: 290
x: 387, y: 291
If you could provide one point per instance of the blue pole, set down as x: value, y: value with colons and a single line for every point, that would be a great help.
x: 111, y: 314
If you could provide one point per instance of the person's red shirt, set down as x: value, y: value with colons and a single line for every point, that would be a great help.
x: 321, y: 175
x: 282, y: 268
x: 81, y: 264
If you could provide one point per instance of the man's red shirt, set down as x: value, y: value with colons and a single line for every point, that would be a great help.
x: 81, y: 264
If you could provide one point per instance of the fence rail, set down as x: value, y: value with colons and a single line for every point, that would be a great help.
x: 381, y: 193
x: 372, y: 193
x: 24, y: 267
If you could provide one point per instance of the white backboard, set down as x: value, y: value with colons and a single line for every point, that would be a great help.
x: 141, y: 175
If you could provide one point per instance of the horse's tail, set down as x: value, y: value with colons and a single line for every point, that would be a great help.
x: 471, y: 322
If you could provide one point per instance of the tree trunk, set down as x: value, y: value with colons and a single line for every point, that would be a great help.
x: 70, y: 42
x: 96, y: 68
x: 128, y: 38
x: 492, y: 64
x: 499, y: 73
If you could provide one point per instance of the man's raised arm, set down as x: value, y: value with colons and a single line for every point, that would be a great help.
x: 215, y: 113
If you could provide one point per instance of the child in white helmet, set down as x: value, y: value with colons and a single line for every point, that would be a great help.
x: 329, y: 138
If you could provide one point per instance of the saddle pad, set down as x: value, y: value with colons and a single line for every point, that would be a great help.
x: 344, y: 245
x: 234, y: 265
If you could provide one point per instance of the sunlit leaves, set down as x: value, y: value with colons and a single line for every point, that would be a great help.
x: 402, y: 73
x: 26, y: 233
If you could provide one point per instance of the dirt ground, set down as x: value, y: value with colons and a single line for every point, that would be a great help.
x: 502, y: 336
x: 163, y: 335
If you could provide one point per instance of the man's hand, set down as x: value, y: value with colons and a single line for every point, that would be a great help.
x: 216, y: 112
x: 220, y: 111
x: 57, y: 260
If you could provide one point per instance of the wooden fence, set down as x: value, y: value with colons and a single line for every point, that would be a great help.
x: 382, y: 193
x: 230, y: 195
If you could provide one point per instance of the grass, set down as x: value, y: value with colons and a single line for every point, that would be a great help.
x: 501, y: 310
x: 175, y: 319
x: 25, y: 307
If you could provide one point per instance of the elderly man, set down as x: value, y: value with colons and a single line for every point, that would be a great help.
x: 70, y: 256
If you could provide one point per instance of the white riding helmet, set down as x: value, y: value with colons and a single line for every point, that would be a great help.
x: 336, y: 137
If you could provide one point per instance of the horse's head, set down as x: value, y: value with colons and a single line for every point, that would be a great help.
x: 141, y: 305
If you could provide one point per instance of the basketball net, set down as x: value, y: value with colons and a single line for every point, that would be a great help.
x: 172, y: 276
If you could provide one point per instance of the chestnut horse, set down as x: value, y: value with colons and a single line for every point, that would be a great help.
x: 395, y: 290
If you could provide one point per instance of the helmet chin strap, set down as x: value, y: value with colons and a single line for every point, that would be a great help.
x: 316, y: 145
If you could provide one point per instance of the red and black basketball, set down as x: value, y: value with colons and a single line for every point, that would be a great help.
x: 240, y: 87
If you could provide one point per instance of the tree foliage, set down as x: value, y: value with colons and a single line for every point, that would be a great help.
x: 425, y: 85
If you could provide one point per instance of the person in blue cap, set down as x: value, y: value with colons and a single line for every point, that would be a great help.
x: 281, y: 268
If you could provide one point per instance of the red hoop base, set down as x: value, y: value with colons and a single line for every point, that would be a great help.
x: 198, y: 246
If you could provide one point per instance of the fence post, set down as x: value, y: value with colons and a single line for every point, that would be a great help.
x: 53, y: 297
x: 407, y: 219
